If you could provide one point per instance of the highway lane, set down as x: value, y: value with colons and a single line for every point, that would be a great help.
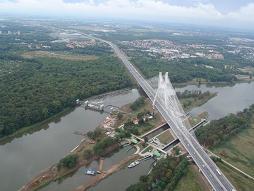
x: 217, y: 180
x: 209, y: 169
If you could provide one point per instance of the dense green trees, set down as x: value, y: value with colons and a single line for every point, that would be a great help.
x: 178, y: 174
x: 88, y: 154
x: 219, y: 130
x: 122, y: 133
x: 164, y: 176
x: 182, y: 70
x: 131, y: 128
x: 69, y: 161
x: 34, y: 90
x: 191, y: 99
x: 96, y: 134
x: 138, y: 103
x: 102, y: 146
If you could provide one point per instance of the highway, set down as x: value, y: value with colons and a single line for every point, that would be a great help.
x: 206, y: 165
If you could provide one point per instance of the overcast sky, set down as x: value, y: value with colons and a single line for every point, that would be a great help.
x: 231, y: 13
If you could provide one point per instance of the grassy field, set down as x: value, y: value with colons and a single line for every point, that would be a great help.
x: 166, y: 137
x: 238, y: 180
x: 191, y: 181
x: 238, y: 150
x: 59, y: 55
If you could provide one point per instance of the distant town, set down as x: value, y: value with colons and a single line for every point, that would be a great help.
x: 169, y: 50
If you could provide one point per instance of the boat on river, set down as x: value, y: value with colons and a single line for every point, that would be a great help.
x: 90, y: 172
x: 133, y: 164
x: 147, y: 157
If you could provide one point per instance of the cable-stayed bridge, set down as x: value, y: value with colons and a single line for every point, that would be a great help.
x: 167, y: 103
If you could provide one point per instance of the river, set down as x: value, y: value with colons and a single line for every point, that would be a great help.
x: 25, y: 156
x: 80, y: 178
x: 229, y: 99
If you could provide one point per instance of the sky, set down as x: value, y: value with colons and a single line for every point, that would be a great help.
x: 225, y: 13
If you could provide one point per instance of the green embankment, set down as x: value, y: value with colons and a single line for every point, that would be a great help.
x: 241, y: 182
x: 189, y: 181
x: 232, y: 138
x: 238, y: 150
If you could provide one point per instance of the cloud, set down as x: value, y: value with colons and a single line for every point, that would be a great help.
x: 151, y: 10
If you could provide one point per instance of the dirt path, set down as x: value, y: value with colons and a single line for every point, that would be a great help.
x: 101, y: 164
x: 39, y: 180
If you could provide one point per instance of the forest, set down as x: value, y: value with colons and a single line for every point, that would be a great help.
x: 220, y: 130
x: 182, y: 70
x: 34, y: 90
x: 164, y: 176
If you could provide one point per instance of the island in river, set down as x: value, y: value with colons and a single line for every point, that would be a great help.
x: 95, y: 142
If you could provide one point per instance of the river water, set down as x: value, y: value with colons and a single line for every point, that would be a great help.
x: 80, y: 178
x: 26, y: 156
x: 228, y: 99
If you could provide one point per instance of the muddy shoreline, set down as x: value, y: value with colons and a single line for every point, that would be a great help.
x: 114, y: 168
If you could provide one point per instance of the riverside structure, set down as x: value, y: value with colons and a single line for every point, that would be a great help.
x: 169, y: 107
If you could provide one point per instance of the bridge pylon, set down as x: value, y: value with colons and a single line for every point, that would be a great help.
x: 167, y: 95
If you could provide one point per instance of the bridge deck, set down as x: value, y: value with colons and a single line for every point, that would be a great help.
x: 209, y: 169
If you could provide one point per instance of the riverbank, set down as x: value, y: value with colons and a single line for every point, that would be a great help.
x: 24, y: 157
x: 36, y: 96
x: 194, y: 82
x: 55, y: 173
x: 44, y: 124
x: 196, y: 100
x: 231, y: 138
x: 52, y: 174
x: 107, y: 173
x: 36, y: 127
x: 30, y: 150
x: 238, y: 151
x: 217, y: 84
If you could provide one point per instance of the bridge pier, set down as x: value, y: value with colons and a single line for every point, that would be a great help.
x: 142, y: 92
x: 170, y: 108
